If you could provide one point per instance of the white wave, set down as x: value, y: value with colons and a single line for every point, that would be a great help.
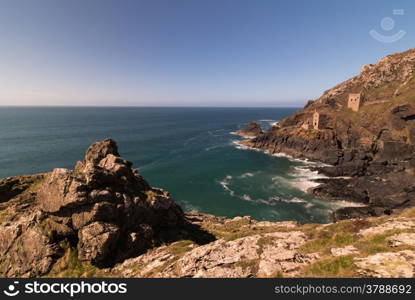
x: 187, y: 206
x: 246, y: 197
x: 304, y: 178
x: 244, y: 136
x: 215, y: 147
x: 269, y: 121
x: 301, y: 160
x: 344, y: 203
x: 225, y: 184
x: 295, y: 200
x: 238, y: 145
x: 308, y: 205
x: 273, y: 201
x: 246, y: 175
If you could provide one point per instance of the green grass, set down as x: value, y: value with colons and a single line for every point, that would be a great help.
x: 69, y: 266
x: 179, y: 248
x: 35, y: 184
x: 334, y: 235
x: 342, y: 266
x: 249, y: 264
x: 327, y: 242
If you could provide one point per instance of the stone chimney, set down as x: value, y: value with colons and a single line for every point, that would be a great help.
x: 316, y: 119
x: 354, y: 101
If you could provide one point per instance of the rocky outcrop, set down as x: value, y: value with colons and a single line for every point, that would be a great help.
x: 348, y: 250
x: 374, y: 145
x: 248, y: 248
x: 103, y: 208
x: 256, y: 255
x: 274, y: 253
x: 380, y: 265
x: 252, y: 129
x: 402, y: 239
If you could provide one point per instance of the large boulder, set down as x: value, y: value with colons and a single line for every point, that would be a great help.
x: 252, y: 129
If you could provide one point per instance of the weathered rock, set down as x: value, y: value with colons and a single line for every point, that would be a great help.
x: 402, y: 239
x: 25, y: 250
x: 103, y: 207
x: 12, y: 186
x: 60, y: 190
x: 99, y: 150
x: 97, y: 241
x: 389, y: 225
x: 257, y: 255
x: 348, y: 250
x: 252, y: 129
x: 387, y: 265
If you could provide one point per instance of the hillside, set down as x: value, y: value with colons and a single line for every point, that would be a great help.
x: 371, y: 139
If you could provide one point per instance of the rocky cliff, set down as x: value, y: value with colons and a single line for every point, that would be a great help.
x: 365, y: 129
x: 102, y: 209
x: 102, y: 219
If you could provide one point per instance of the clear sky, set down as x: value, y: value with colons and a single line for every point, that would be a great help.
x: 189, y: 52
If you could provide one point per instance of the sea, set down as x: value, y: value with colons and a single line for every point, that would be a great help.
x: 191, y: 152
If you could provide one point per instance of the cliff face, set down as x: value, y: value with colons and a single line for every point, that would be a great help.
x: 375, y: 144
x: 102, y: 219
x: 103, y: 209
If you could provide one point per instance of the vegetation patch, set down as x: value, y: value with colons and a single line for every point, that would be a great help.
x: 251, y: 265
x: 179, y: 248
x: 69, y: 266
x: 342, y: 266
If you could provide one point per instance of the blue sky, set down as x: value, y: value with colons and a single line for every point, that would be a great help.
x: 189, y: 52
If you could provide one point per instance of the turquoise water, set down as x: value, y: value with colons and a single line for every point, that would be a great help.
x: 188, y: 151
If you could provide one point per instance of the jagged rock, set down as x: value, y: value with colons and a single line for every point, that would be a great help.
x: 25, y: 250
x: 252, y: 129
x: 99, y: 150
x: 257, y: 255
x: 97, y: 241
x: 402, y: 239
x: 348, y: 250
x: 103, y: 207
x: 387, y: 265
x: 252, y: 256
x: 13, y: 186
x: 392, y: 224
x: 60, y: 190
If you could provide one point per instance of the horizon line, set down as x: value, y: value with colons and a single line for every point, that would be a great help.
x: 147, y: 106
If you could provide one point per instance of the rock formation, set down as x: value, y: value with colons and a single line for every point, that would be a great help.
x: 103, y: 207
x: 252, y: 129
x: 374, y: 144
x: 372, y: 247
